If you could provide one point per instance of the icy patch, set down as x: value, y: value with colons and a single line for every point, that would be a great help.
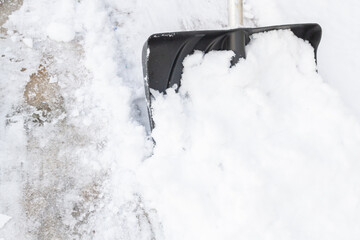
x: 3, y: 220
x: 263, y: 150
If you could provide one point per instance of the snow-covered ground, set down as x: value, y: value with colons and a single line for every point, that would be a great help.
x: 265, y: 150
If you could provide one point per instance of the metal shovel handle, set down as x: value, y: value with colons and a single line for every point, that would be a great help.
x: 235, y: 9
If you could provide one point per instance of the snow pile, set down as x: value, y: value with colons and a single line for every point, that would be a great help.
x: 262, y: 150
x: 338, y: 52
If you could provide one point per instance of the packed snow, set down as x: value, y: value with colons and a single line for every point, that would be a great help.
x: 266, y: 149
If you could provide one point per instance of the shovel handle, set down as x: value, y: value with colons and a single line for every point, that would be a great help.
x: 236, y: 40
x: 235, y: 8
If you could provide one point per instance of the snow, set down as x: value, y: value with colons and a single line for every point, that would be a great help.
x: 28, y: 42
x: 3, y: 220
x: 338, y: 53
x: 265, y: 149
x: 271, y: 155
x: 60, y: 32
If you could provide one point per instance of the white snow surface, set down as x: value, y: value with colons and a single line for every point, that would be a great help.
x: 338, y: 54
x: 3, y: 220
x: 267, y: 149
x: 263, y: 150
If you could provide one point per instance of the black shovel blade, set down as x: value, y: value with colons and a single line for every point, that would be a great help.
x: 163, y: 54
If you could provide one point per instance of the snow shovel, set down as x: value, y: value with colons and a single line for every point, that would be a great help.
x: 163, y: 53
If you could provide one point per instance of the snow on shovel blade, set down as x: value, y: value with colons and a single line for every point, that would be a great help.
x: 163, y: 54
